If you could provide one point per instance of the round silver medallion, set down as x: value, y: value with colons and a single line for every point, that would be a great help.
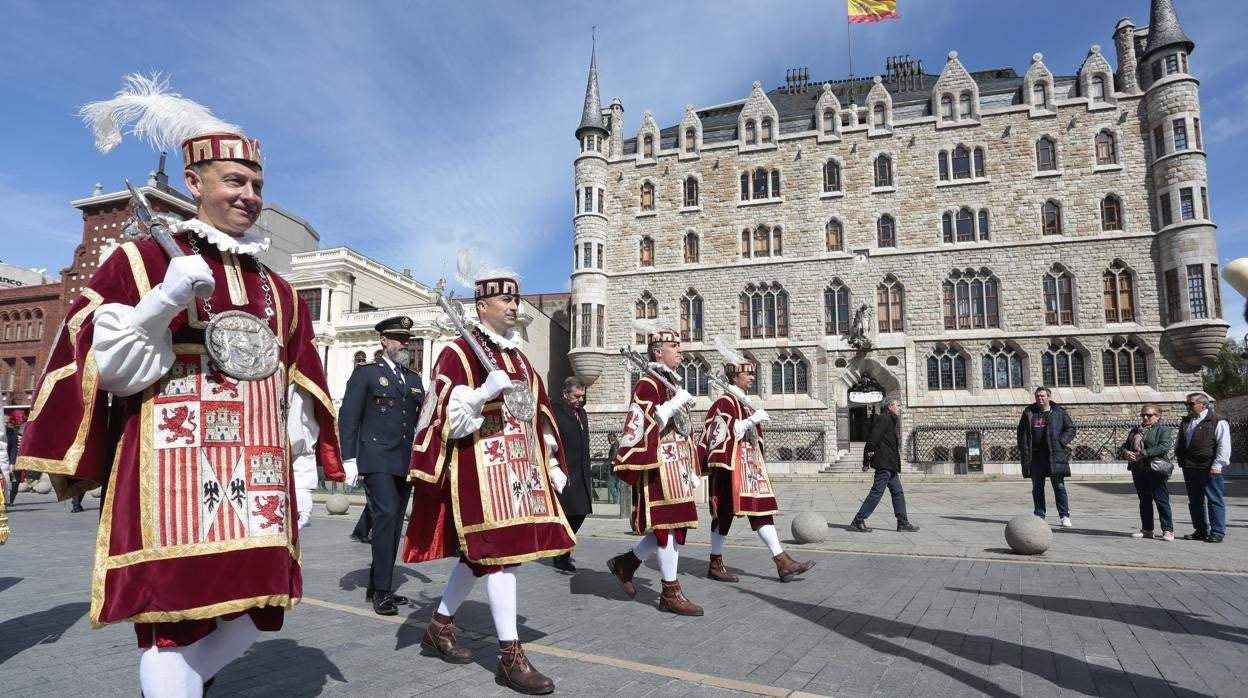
x: 241, y: 345
x: 520, y: 402
x: 683, y: 424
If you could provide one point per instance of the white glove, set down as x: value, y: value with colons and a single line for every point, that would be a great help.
x: 681, y: 398
x: 353, y: 472
x: 303, y: 502
x: 695, y: 481
x: 496, y: 383
x: 552, y: 444
x: 557, y: 479
x: 182, y: 275
x: 760, y: 416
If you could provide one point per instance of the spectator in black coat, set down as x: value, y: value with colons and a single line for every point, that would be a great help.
x: 883, y: 453
x: 573, y: 425
x: 1045, y: 432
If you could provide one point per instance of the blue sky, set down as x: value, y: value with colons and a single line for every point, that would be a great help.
x: 406, y: 130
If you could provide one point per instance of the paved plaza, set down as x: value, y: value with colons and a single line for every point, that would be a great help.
x: 947, y: 611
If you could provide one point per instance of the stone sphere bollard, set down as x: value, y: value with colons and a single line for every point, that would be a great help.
x: 809, y: 527
x: 43, y: 486
x: 337, y: 504
x: 1028, y: 534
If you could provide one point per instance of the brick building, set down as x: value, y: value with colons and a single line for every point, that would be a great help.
x: 952, y: 239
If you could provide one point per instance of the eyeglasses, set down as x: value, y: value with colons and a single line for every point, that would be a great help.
x: 1193, y: 404
x: 1147, y: 414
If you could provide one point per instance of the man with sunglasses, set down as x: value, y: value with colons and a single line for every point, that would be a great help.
x: 1202, y: 450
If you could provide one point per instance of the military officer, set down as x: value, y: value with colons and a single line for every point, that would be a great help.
x: 377, y: 422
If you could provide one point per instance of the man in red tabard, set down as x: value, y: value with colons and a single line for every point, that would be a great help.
x: 732, y: 448
x: 656, y: 458
x: 207, y: 478
x: 484, y: 477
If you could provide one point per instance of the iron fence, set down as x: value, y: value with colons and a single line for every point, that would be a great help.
x: 1094, y: 441
x: 789, y: 444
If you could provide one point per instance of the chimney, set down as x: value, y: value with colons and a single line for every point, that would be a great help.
x: 162, y: 179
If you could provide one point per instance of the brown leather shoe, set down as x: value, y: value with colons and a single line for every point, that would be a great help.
x: 623, y: 566
x: 515, y: 672
x: 787, y: 568
x: 674, y: 600
x: 440, y: 640
x: 718, y: 572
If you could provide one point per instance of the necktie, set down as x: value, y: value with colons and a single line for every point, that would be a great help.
x: 398, y: 373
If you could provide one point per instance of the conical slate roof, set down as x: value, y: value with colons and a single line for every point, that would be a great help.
x: 1164, y: 28
x: 592, y: 116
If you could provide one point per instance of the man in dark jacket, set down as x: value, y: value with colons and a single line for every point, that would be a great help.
x: 573, y: 425
x: 884, y: 454
x: 377, y: 422
x: 1202, y: 450
x: 1045, y: 431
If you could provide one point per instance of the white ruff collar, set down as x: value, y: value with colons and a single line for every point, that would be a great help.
x: 248, y: 243
x: 662, y: 369
x: 507, y: 341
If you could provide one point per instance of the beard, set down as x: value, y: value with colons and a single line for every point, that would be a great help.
x: 401, y: 356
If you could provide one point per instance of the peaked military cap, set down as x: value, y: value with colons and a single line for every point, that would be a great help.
x: 399, y: 324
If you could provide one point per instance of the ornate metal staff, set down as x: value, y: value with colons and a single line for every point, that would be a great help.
x: 160, y: 233
x: 637, y: 364
x: 519, y: 399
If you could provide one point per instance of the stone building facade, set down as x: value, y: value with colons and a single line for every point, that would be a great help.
x: 953, y: 239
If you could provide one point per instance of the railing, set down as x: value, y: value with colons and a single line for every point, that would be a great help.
x: 1094, y: 441
x: 784, y: 444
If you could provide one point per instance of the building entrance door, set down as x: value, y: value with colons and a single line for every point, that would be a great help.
x: 861, y: 418
x: 864, y: 399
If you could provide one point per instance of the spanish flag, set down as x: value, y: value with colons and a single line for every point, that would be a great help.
x: 867, y: 11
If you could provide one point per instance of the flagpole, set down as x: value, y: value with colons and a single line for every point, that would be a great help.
x: 849, y: 36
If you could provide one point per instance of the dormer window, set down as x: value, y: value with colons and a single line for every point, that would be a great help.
x: 1097, y: 89
x: 829, y: 122
x: 1040, y: 96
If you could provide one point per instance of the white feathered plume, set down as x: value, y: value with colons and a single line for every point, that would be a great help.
x: 162, y: 118
x: 731, y: 356
x: 646, y: 326
x: 468, y: 270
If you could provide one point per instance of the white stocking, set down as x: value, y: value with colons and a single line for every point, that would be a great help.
x: 770, y: 539
x: 646, y: 547
x: 164, y: 673
x: 500, y: 589
x: 717, y: 542
x: 182, y: 671
x: 458, y: 585
x: 669, y: 559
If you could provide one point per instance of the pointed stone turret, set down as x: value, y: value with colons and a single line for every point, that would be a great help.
x: 1164, y: 28
x: 591, y: 117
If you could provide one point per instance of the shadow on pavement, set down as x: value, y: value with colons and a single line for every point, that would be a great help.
x: 6, y: 582
x: 899, y: 639
x: 976, y: 519
x: 40, y: 628
x: 288, y: 668
x: 1092, y: 532
x: 1153, y: 617
x: 358, y: 579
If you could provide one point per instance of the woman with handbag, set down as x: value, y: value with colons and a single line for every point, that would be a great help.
x: 1146, y: 449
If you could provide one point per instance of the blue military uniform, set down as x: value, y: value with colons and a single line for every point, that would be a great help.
x: 377, y: 423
